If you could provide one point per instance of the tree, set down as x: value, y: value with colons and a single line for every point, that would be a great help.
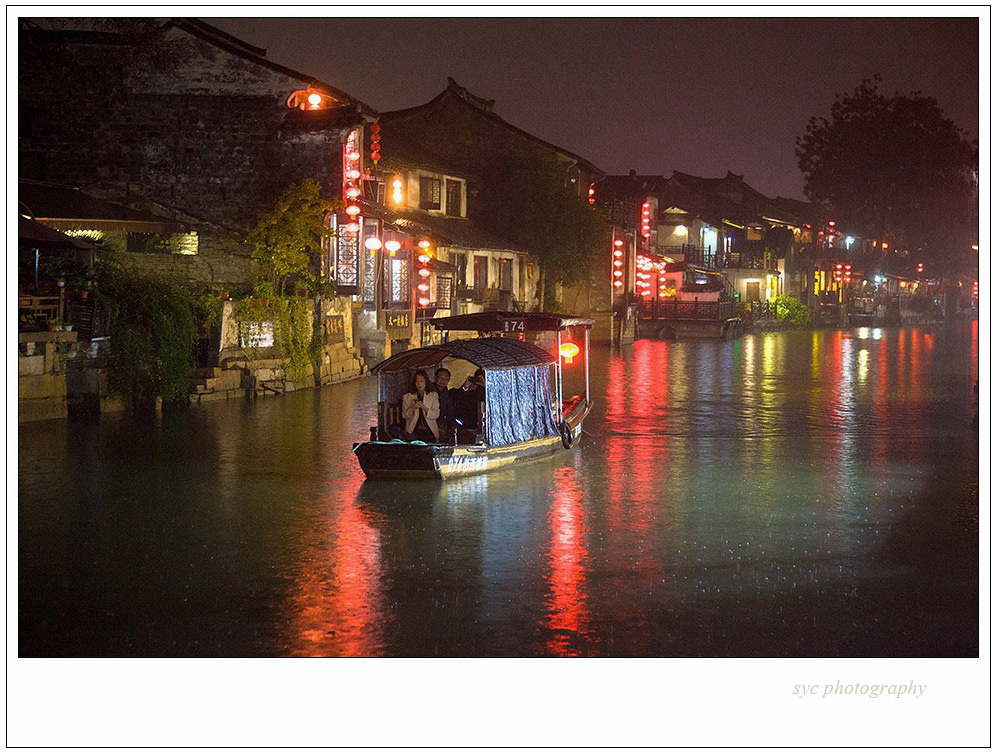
x: 895, y: 167
x: 289, y: 236
x: 532, y: 204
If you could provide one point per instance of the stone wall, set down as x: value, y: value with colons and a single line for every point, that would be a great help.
x: 222, y: 261
x: 264, y: 369
x: 41, y: 374
x: 182, y: 128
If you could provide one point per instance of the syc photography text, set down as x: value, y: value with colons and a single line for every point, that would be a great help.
x: 871, y: 690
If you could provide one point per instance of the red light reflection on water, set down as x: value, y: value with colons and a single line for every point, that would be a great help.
x: 568, y: 611
x: 337, y: 590
x: 881, y: 402
x: 974, y: 353
x: 617, y: 451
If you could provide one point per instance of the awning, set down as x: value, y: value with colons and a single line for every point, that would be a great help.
x: 37, y: 236
x: 66, y: 208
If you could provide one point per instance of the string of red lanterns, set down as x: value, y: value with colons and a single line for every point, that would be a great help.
x: 618, y: 263
x: 423, y: 271
x: 351, y: 180
x: 375, y: 143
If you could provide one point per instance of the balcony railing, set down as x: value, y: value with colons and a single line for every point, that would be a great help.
x: 709, y: 259
x: 674, y: 309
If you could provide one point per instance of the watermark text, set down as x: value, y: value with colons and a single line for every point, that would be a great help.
x: 856, y: 688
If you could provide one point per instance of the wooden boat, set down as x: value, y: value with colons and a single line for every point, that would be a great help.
x: 525, y: 414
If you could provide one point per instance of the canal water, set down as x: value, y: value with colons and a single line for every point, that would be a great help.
x: 790, y: 494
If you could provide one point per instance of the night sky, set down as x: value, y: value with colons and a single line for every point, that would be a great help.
x: 700, y: 95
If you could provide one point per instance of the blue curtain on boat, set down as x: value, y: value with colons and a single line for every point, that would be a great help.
x: 518, y: 405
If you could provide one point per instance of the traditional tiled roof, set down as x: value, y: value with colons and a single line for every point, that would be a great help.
x: 404, y: 154
x: 728, y: 198
x: 483, y: 107
x: 460, y: 232
x: 633, y: 186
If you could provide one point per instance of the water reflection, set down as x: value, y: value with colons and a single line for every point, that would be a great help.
x: 751, y: 497
x: 567, y: 608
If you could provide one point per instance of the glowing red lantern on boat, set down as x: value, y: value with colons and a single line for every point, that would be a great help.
x: 569, y: 351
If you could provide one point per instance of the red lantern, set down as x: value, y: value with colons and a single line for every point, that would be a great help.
x: 569, y: 351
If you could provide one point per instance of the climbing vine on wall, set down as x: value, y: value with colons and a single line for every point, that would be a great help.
x: 292, y: 319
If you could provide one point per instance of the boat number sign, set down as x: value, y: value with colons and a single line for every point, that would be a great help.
x: 513, y: 325
x: 465, y: 464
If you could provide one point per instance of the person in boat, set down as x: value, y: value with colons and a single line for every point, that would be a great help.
x: 420, y: 409
x: 467, y: 401
x: 445, y: 423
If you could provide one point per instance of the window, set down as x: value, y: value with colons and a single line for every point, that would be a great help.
x: 505, y: 275
x: 481, y: 273
x: 374, y: 191
x: 370, y: 262
x: 397, y: 288
x: 343, y: 254
x: 460, y: 260
x: 429, y: 193
x: 453, y: 198
x: 444, y: 288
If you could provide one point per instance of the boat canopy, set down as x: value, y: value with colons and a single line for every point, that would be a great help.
x: 518, y: 396
x: 511, y: 322
x: 487, y: 353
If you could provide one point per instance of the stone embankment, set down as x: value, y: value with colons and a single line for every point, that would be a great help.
x: 58, y: 378
x: 250, y: 375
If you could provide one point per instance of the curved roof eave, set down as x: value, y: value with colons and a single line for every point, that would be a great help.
x: 234, y: 45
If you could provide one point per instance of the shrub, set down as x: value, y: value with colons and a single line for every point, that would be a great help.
x: 790, y: 310
x: 152, y: 335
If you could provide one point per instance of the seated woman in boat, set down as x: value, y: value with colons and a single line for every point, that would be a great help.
x: 420, y: 409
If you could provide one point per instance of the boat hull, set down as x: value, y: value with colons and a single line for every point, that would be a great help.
x: 405, y: 460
